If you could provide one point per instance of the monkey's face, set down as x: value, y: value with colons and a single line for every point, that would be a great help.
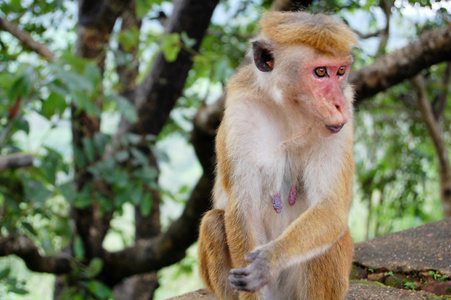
x: 325, y: 79
x: 302, y: 78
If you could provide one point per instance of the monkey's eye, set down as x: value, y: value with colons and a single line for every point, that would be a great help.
x: 321, y: 71
x: 341, y: 71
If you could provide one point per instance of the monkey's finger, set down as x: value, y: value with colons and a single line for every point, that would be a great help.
x: 246, y: 284
x: 239, y: 272
x: 239, y: 283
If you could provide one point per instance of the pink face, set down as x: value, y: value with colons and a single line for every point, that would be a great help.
x: 325, y: 78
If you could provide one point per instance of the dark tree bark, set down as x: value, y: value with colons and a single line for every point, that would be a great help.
x: 96, y: 21
x: 16, y: 160
x: 26, y: 39
x: 156, y: 96
x: 24, y: 247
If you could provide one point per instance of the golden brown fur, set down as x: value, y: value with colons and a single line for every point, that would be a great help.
x: 280, y: 133
x: 319, y: 31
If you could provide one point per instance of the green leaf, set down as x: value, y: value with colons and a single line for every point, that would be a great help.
x: 146, y: 204
x: 118, y: 177
x: 124, y: 106
x: 146, y: 174
x: 79, y: 250
x: 23, y: 85
x: 100, y: 142
x: 99, y: 289
x: 133, y: 138
x: 139, y: 157
x: 94, y: 268
x: 18, y: 290
x: 88, y: 148
x: 54, y: 104
x: 4, y: 273
x: 77, y: 297
x: 141, y: 8
x: 50, y: 165
x: 83, y: 198
x: 80, y: 160
x: 136, y: 194
x: 29, y: 228
x: 36, y: 191
x: 129, y: 38
x: 171, y: 46
x: 122, y: 156
x: 93, y: 74
x: 184, y: 189
x: 21, y: 124
x: 189, y: 42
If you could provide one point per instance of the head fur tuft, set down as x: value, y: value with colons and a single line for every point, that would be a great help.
x: 320, y: 31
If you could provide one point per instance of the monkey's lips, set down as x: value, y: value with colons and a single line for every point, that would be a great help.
x: 335, y: 128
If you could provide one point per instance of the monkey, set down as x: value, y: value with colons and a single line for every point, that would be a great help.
x: 282, y: 194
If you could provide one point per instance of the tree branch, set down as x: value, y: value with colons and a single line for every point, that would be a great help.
x: 286, y: 5
x: 26, y: 39
x: 154, y: 99
x: 15, y: 160
x: 163, y: 85
x: 166, y: 249
x: 96, y: 22
x: 430, y: 48
x: 369, y: 35
x: 425, y: 107
x: 439, y: 104
x: 436, y: 134
x: 24, y: 247
x: 386, y: 6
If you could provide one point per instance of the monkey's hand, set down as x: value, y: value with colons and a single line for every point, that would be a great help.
x: 254, y: 276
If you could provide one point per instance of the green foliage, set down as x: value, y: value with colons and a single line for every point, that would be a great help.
x: 409, y: 285
x: 85, y: 285
x: 393, y: 172
x: 12, y: 285
x: 437, y: 276
x: 171, y: 45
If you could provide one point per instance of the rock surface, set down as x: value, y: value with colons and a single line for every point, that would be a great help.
x: 202, y: 294
x: 357, y: 291
x: 367, y: 290
x: 422, y: 248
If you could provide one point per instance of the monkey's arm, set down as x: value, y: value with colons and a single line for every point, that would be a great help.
x: 310, y: 235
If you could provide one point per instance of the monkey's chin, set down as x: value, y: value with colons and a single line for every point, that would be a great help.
x: 335, y: 128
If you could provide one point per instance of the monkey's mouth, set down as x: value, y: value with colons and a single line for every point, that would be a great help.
x: 335, y: 128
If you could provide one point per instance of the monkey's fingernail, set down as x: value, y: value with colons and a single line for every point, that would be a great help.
x: 335, y: 129
x: 293, y: 195
x: 277, y: 202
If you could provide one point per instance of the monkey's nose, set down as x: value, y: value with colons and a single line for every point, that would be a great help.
x: 335, y: 128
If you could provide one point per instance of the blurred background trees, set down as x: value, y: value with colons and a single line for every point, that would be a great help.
x: 108, y: 111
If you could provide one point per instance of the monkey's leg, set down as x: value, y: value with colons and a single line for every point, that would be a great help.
x: 240, y: 231
x: 327, y: 276
x: 214, y: 256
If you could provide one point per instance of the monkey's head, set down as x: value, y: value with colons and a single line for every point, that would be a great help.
x: 302, y: 61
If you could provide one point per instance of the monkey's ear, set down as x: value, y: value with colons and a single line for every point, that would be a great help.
x: 263, y: 58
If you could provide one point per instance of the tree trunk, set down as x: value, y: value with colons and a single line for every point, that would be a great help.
x: 436, y: 133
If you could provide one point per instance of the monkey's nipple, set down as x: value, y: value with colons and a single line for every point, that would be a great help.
x: 292, y: 195
x: 335, y: 128
x: 277, y: 202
